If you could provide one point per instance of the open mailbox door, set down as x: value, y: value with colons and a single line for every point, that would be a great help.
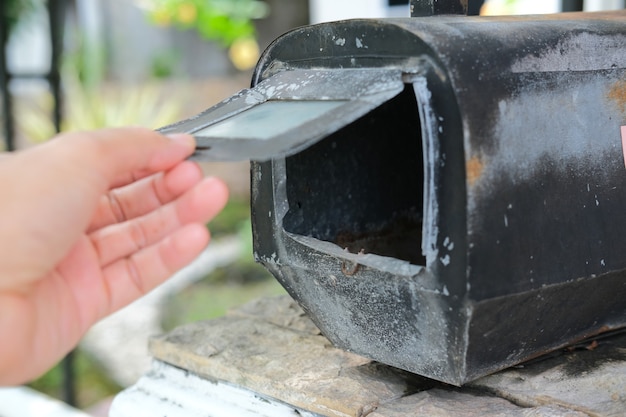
x: 287, y: 112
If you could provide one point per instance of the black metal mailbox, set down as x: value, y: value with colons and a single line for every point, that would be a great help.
x: 445, y: 194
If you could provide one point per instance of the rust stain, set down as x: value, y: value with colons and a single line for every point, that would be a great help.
x: 617, y: 94
x: 473, y: 170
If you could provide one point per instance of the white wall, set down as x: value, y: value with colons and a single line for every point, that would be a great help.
x: 329, y: 10
x: 595, y: 5
x: 28, y: 50
x: 537, y: 6
x: 521, y: 7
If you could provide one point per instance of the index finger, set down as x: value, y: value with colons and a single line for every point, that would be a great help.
x: 125, y: 155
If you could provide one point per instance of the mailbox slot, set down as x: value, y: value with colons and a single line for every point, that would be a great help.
x: 362, y: 187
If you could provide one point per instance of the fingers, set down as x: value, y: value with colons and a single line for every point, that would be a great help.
x: 162, y: 154
x: 198, y: 205
x: 68, y: 176
x: 146, y: 195
x: 120, y: 156
x: 132, y: 277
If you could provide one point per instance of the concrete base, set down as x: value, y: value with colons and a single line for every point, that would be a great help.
x: 26, y: 402
x: 268, y: 359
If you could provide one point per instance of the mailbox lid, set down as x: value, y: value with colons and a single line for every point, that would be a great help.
x: 287, y: 112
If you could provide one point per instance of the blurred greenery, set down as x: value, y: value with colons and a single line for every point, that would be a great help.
x: 227, y: 22
x: 93, y: 383
x: 223, y: 21
x: 99, y: 107
x: 234, y: 217
x: 224, y: 288
x: 84, y: 61
x: 219, y: 292
x: 91, y: 103
x: 14, y: 11
x: 164, y: 63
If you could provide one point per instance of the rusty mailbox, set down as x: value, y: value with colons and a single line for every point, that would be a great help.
x: 444, y: 194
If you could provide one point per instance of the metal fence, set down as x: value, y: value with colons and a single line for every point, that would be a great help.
x: 56, y: 15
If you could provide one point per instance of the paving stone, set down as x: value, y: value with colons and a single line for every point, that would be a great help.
x: 455, y: 403
x: 272, y: 348
x: 282, y: 311
x: 590, y: 379
x: 297, y: 368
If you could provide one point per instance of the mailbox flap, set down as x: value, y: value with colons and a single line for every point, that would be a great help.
x: 287, y: 112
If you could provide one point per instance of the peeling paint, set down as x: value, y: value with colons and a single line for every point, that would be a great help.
x: 572, y: 54
x: 445, y: 291
x: 359, y: 43
x: 448, y: 244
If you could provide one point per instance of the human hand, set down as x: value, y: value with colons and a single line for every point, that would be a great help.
x: 88, y: 223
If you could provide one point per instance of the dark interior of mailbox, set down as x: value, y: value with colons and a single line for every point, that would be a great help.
x: 362, y: 187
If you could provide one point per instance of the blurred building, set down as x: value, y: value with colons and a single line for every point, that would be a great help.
x: 118, y: 39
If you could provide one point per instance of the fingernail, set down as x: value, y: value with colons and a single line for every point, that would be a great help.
x: 183, y: 138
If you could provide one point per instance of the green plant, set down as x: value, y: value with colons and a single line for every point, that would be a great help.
x: 164, y: 63
x: 84, y: 61
x: 229, y: 286
x: 99, y: 107
x: 223, y: 21
x: 13, y: 11
x: 220, y: 291
x: 92, y: 382
x: 227, y: 22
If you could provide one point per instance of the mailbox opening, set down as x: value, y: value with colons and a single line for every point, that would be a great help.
x: 362, y: 187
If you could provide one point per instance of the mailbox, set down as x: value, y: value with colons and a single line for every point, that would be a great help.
x: 444, y: 194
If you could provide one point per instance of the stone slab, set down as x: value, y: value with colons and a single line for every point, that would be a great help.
x: 457, y: 403
x: 272, y: 348
x: 590, y: 378
x: 167, y: 391
x: 296, y: 368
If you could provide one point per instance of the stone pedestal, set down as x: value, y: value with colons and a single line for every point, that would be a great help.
x: 268, y: 359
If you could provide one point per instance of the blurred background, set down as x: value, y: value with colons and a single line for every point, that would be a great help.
x: 86, y: 64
